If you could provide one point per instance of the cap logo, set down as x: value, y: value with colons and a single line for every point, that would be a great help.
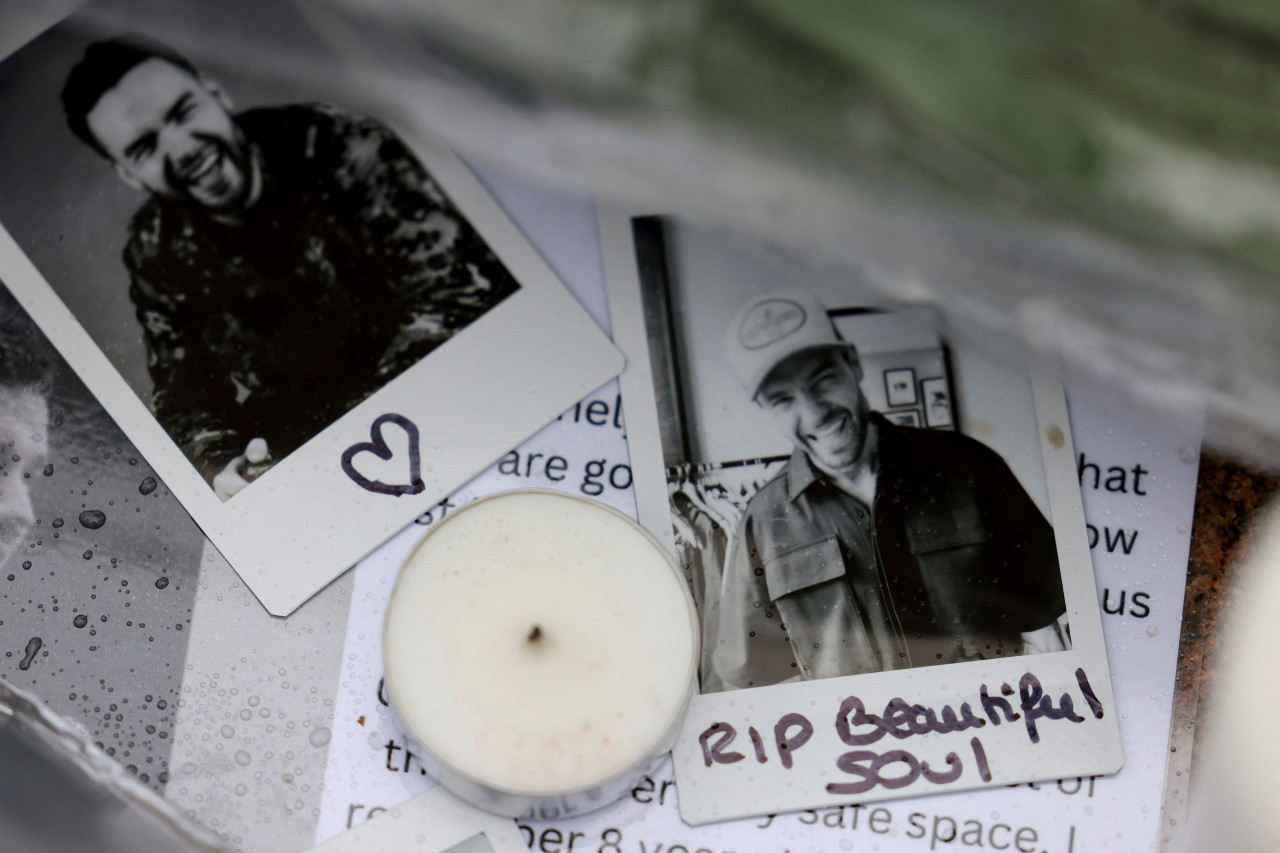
x: 770, y: 322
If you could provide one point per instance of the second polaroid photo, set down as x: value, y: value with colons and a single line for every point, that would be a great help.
x: 881, y: 532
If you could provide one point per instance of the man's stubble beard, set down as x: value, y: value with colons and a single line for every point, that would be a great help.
x: 227, y: 189
x: 856, y: 431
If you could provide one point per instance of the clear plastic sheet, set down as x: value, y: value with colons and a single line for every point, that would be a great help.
x: 60, y: 792
x: 986, y: 156
x: 1138, y: 199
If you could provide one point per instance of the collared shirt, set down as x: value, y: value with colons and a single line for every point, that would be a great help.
x: 952, y: 561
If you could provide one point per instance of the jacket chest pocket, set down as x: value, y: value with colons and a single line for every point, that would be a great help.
x: 803, y: 567
x: 826, y: 627
x: 956, y: 527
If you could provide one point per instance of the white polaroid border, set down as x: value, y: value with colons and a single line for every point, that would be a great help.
x: 433, y: 822
x: 304, y: 522
x: 870, y: 763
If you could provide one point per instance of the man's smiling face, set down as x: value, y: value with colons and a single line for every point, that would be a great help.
x: 815, y: 398
x: 169, y: 132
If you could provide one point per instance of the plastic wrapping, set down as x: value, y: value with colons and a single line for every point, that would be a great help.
x: 61, y: 792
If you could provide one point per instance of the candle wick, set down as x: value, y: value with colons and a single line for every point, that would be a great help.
x: 535, y: 634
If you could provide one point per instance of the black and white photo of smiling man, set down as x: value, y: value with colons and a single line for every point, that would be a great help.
x: 876, y: 546
x: 287, y: 262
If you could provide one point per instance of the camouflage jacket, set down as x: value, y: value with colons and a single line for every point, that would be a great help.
x: 350, y: 266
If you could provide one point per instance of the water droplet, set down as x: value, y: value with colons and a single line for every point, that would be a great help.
x: 57, y: 522
x: 161, y: 583
x: 48, y: 470
x: 93, y: 518
x: 228, y: 732
x: 88, y: 555
x: 80, y: 621
x: 33, y: 646
x: 319, y: 737
x: 147, y: 486
x: 242, y: 758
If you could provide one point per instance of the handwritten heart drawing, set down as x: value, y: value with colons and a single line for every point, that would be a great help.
x: 378, y: 447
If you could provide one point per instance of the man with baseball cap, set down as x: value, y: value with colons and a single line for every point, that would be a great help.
x: 877, y: 546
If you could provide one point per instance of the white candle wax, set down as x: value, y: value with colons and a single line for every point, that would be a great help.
x: 539, y: 644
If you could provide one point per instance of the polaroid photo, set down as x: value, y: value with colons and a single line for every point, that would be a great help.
x: 434, y: 822
x: 890, y: 607
x: 313, y: 326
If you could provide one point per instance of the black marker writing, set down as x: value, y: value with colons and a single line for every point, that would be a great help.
x: 789, y: 743
x: 1036, y: 705
x: 378, y: 447
x: 980, y: 756
x: 900, y: 720
x: 714, y: 753
x: 1089, y: 696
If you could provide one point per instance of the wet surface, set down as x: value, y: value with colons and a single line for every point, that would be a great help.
x: 33, y: 646
x: 94, y: 599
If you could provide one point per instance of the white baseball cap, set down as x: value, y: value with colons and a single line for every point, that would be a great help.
x: 771, y: 327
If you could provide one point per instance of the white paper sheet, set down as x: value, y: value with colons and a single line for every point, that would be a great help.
x: 1142, y: 522
x: 434, y: 822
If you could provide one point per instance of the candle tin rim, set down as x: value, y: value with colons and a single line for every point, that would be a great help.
x: 690, y: 680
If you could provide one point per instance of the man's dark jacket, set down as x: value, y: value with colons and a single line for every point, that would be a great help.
x: 351, y: 266
x: 952, y: 561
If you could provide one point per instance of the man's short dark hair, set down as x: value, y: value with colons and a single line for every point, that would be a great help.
x: 100, y: 69
x: 26, y: 358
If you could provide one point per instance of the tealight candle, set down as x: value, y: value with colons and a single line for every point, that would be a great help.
x: 541, y: 649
